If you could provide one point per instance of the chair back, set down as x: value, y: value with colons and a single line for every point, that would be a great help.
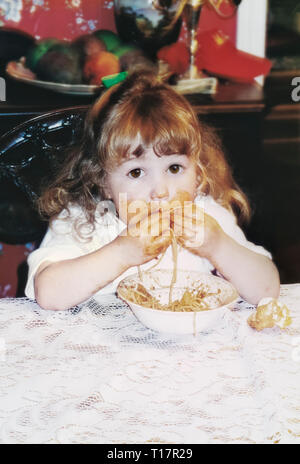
x: 30, y: 154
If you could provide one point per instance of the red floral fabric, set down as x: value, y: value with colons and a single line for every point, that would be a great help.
x: 66, y: 19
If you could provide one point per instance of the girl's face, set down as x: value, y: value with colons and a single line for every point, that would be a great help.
x: 152, y: 178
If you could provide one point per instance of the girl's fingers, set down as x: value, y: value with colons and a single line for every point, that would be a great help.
x: 166, y: 210
x: 193, y: 240
x: 147, y: 211
x: 154, y: 225
x: 156, y: 246
x: 188, y: 214
x: 187, y: 227
x: 189, y: 233
x: 144, y: 215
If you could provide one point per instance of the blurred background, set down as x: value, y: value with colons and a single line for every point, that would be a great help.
x: 245, y: 56
x: 66, y: 19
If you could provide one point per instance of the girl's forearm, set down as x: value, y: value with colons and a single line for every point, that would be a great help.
x: 254, y: 275
x: 67, y: 283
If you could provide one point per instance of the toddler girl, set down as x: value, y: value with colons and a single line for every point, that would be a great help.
x: 143, y: 145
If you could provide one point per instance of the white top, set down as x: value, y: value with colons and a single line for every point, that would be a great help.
x: 61, y: 242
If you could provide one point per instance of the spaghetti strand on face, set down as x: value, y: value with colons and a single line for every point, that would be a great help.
x: 175, y: 259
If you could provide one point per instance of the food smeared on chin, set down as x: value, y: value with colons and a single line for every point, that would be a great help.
x: 270, y: 313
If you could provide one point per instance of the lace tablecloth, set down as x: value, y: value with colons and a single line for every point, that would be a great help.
x: 94, y: 374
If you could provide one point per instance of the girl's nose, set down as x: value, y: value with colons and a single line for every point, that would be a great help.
x: 159, y: 191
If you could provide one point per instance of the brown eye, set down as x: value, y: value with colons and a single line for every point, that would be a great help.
x: 135, y: 173
x: 175, y: 168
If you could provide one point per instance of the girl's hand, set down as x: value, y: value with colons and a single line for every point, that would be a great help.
x: 147, y: 236
x: 197, y: 231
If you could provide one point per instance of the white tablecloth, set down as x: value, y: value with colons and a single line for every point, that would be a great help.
x: 94, y: 374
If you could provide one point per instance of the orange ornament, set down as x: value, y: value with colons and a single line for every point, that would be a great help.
x: 99, y: 65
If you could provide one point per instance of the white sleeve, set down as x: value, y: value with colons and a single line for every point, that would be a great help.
x: 228, y: 222
x: 54, y: 247
x: 61, y: 242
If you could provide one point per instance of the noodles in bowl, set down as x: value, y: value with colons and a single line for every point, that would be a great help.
x: 198, y: 300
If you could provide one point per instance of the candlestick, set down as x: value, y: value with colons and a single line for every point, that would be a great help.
x: 192, y: 12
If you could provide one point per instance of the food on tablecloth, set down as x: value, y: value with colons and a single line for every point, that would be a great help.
x: 270, y: 313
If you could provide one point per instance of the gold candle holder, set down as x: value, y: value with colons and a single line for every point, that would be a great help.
x: 192, y: 11
x: 194, y: 81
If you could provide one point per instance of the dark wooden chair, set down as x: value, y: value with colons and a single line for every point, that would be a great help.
x: 30, y: 154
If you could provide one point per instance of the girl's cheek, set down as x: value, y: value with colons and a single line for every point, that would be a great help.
x: 183, y: 195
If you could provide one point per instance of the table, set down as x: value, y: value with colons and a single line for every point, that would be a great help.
x: 94, y: 374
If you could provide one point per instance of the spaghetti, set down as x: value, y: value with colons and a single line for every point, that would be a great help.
x: 192, y: 300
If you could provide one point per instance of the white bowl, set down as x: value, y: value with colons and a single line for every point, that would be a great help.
x: 157, y: 283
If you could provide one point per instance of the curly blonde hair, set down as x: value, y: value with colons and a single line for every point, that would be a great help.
x: 141, y: 105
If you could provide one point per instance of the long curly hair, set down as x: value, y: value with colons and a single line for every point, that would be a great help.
x: 141, y: 105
